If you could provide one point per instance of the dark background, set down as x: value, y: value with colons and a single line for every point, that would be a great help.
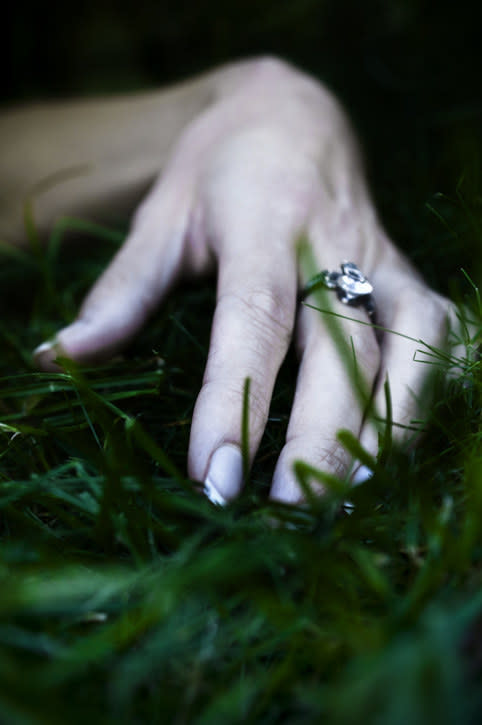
x: 409, y: 71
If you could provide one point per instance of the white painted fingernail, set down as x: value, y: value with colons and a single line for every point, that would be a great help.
x: 362, y: 474
x: 225, y: 474
x: 348, y: 507
x: 45, y: 354
x: 213, y: 494
x: 44, y: 347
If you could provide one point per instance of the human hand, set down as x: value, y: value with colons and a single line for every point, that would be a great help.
x: 266, y: 163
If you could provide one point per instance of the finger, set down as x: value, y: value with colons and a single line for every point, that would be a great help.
x: 256, y: 202
x: 417, y: 327
x: 133, y: 284
x: 251, y: 332
x: 336, y: 374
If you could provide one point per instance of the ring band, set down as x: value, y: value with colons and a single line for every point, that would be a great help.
x: 351, y: 286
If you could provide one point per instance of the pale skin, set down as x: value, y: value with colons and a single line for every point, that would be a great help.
x: 243, y: 161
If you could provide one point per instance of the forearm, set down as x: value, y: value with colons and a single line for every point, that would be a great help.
x: 94, y: 158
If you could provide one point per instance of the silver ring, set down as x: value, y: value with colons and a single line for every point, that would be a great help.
x: 351, y: 286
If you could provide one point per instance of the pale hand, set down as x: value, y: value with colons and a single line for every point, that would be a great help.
x: 269, y: 161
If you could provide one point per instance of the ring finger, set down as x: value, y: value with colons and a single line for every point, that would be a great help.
x: 340, y: 361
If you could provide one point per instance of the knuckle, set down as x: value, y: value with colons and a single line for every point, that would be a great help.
x: 440, y: 308
x: 334, y: 458
x: 416, y: 297
x: 272, y: 66
x: 228, y: 396
x: 432, y: 303
x: 266, y: 310
x: 258, y: 404
x: 326, y: 455
x: 270, y: 306
x: 420, y: 308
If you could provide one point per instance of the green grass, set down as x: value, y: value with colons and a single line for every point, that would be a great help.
x: 127, y: 597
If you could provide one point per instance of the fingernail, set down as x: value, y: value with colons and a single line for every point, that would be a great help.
x: 213, y: 494
x: 362, y: 474
x: 225, y: 474
x: 45, y: 354
x: 348, y: 507
x: 44, y: 347
x: 285, y: 488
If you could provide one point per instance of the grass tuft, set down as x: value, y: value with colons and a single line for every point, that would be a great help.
x: 128, y: 597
